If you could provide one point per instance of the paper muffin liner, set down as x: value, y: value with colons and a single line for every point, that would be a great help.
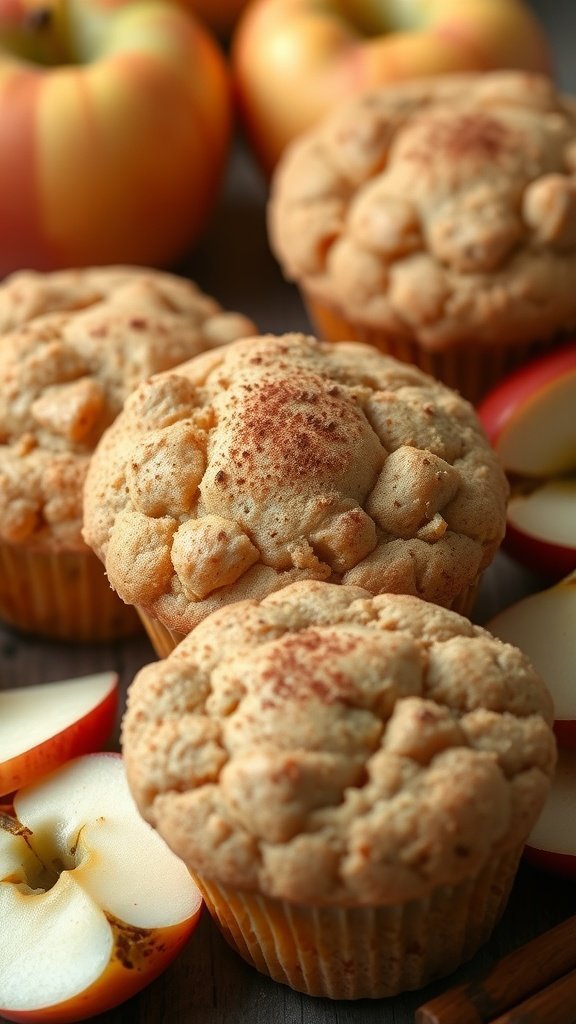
x: 61, y: 595
x: 363, y: 952
x: 470, y: 369
x: 164, y: 640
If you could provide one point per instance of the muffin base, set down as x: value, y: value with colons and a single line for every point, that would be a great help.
x: 61, y: 595
x: 164, y: 640
x: 363, y: 952
x: 472, y: 369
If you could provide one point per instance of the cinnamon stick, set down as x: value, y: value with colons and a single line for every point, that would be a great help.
x: 512, y: 980
x: 555, y: 1004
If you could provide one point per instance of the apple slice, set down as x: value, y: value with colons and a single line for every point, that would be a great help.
x: 43, y: 726
x: 530, y: 420
x: 543, y: 625
x: 530, y: 416
x: 93, y: 903
x: 541, y: 527
x: 552, y: 842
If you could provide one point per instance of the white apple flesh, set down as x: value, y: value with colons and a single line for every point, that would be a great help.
x: 539, y: 439
x: 93, y: 904
x: 543, y: 626
x: 552, y: 842
x: 43, y: 726
x: 548, y: 512
x: 530, y: 420
x: 541, y: 527
x: 529, y: 416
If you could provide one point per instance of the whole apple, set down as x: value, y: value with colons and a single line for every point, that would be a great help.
x: 293, y: 60
x: 115, y: 120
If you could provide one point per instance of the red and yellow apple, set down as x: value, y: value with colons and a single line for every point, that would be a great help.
x: 115, y: 119
x: 43, y: 726
x: 543, y: 626
x: 93, y: 904
x: 293, y: 60
x: 530, y: 420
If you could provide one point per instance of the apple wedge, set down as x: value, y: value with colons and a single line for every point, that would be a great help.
x: 541, y: 527
x: 552, y: 843
x: 93, y: 904
x: 543, y: 625
x: 530, y: 416
x: 43, y: 726
x: 530, y: 420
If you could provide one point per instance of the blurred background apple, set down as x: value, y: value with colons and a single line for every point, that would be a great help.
x: 115, y: 122
x: 293, y: 60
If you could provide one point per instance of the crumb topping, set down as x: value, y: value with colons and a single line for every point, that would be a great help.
x: 441, y: 209
x: 282, y: 458
x: 328, y: 745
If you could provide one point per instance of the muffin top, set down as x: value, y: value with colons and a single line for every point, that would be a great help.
x: 440, y: 209
x: 329, y: 745
x: 26, y: 294
x: 282, y: 458
x: 64, y: 377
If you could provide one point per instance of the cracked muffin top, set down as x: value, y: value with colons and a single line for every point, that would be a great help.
x: 64, y: 376
x: 26, y: 294
x: 441, y: 209
x: 280, y: 458
x: 329, y: 745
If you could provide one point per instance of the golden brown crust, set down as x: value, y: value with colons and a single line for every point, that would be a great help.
x: 64, y: 376
x: 282, y: 458
x: 439, y: 210
x: 326, y: 745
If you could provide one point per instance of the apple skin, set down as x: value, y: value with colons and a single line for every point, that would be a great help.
x: 530, y: 422
x: 80, y: 736
x: 115, y: 152
x: 542, y: 626
x: 551, y: 560
x: 551, y: 845
x: 138, y: 954
x: 520, y: 397
x: 294, y: 60
x: 116, y: 985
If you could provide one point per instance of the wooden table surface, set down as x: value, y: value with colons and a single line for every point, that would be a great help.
x: 209, y: 984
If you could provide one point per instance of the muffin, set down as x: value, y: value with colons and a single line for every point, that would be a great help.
x: 279, y: 458
x: 63, y: 378
x: 350, y: 779
x: 436, y: 219
x: 27, y: 294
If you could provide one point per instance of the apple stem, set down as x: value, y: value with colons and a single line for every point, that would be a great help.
x: 39, y: 19
x: 47, y: 875
x: 37, y: 37
x: 9, y: 823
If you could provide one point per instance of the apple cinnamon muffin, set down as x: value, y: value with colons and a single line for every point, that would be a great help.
x: 278, y: 458
x: 63, y: 378
x: 436, y: 219
x: 350, y: 779
x: 26, y: 294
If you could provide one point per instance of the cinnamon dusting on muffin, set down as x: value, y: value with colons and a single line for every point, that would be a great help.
x: 330, y: 746
x: 321, y: 464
